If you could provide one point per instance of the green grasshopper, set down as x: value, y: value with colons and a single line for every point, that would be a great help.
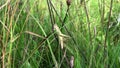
x: 60, y: 35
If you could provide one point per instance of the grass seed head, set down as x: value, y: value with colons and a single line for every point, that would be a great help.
x: 72, y: 62
x: 68, y: 2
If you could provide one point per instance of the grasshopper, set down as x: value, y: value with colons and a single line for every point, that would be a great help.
x: 60, y: 35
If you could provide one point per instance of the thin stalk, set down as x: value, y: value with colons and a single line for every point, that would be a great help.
x: 99, y: 5
x: 11, y: 34
x: 51, y: 17
x: 52, y: 6
x: 88, y: 20
x: 107, y: 33
x: 89, y: 28
x: 3, y: 53
x: 10, y: 49
x: 107, y: 30
x: 102, y: 20
x: 63, y: 22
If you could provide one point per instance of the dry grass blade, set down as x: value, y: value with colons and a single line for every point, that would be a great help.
x: 8, y: 1
x: 15, y: 38
x: 4, y: 26
x: 34, y: 34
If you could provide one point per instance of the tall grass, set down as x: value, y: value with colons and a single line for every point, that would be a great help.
x: 88, y: 30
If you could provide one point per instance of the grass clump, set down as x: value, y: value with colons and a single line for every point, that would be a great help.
x: 59, y: 34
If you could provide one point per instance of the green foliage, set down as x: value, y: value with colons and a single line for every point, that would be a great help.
x: 28, y: 40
